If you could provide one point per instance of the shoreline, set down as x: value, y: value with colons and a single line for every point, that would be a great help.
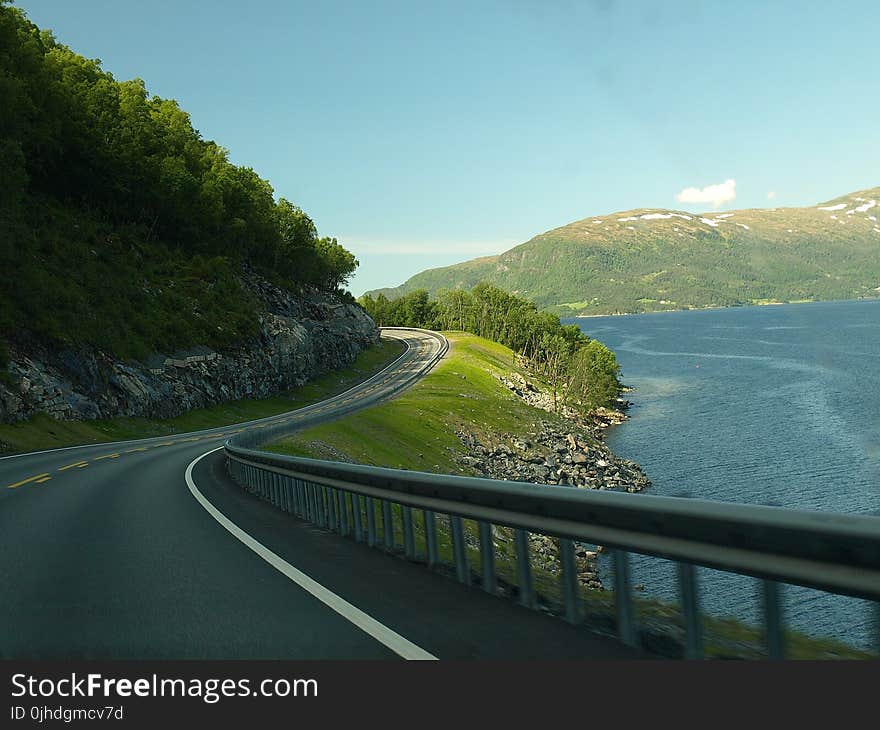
x: 569, y: 450
x: 723, y: 306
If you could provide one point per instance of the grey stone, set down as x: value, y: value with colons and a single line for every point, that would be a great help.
x: 300, y: 337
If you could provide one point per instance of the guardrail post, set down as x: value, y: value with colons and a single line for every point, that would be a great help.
x: 275, y: 491
x: 330, y: 493
x: 310, y: 501
x: 314, y: 496
x: 524, y: 568
x: 690, y: 607
x: 294, y: 492
x: 343, y: 513
x: 626, y: 629
x: 313, y: 502
x: 357, y: 517
x: 306, y: 500
x: 459, y: 550
x: 875, y: 606
x: 387, y: 524
x: 289, y: 494
x: 371, y: 521
x: 303, y: 498
x: 569, y: 580
x: 487, y: 558
x: 298, y: 506
x: 773, y: 619
x: 409, y: 539
x: 431, y: 538
x: 321, y: 513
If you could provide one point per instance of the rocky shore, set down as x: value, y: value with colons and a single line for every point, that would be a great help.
x: 570, y: 452
x: 300, y: 337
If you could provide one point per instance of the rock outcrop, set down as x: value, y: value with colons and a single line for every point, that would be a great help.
x: 570, y: 453
x: 300, y: 337
x: 553, y: 455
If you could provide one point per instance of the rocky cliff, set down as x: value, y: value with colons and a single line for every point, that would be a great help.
x: 301, y: 336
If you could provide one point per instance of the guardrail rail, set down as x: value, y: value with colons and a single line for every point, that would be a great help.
x: 831, y: 552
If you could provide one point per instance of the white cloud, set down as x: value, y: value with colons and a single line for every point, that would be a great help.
x: 771, y: 195
x: 714, y: 194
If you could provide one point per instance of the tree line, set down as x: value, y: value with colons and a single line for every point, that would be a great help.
x: 582, y: 372
x: 121, y: 227
x: 69, y: 131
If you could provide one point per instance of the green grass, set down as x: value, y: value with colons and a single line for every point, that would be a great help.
x: 43, y: 432
x: 417, y: 431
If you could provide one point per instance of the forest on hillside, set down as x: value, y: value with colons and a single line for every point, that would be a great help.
x: 582, y: 372
x: 120, y: 226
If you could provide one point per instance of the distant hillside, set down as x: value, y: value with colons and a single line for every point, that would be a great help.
x: 652, y: 259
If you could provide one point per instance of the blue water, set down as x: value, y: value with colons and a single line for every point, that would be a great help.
x: 765, y: 405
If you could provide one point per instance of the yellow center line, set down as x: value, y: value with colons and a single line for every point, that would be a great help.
x: 167, y: 443
x: 139, y: 448
x: 107, y: 456
x: 79, y: 464
x: 44, y: 479
x: 27, y: 481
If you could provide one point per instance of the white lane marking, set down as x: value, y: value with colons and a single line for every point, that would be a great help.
x: 394, y: 641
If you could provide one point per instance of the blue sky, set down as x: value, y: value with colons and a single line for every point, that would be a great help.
x: 421, y: 134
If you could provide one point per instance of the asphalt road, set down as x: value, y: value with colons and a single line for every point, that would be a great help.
x: 106, y: 553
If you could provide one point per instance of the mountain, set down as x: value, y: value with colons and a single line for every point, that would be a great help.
x: 651, y: 259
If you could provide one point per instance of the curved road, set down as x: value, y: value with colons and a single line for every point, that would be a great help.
x: 106, y: 553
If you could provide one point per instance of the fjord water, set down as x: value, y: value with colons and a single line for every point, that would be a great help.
x: 764, y: 405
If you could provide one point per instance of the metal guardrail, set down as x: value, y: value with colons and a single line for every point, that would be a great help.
x: 831, y: 552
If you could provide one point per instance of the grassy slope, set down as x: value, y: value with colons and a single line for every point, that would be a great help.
x: 417, y: 431
x: 784, y: 254
x: 43, y: 432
